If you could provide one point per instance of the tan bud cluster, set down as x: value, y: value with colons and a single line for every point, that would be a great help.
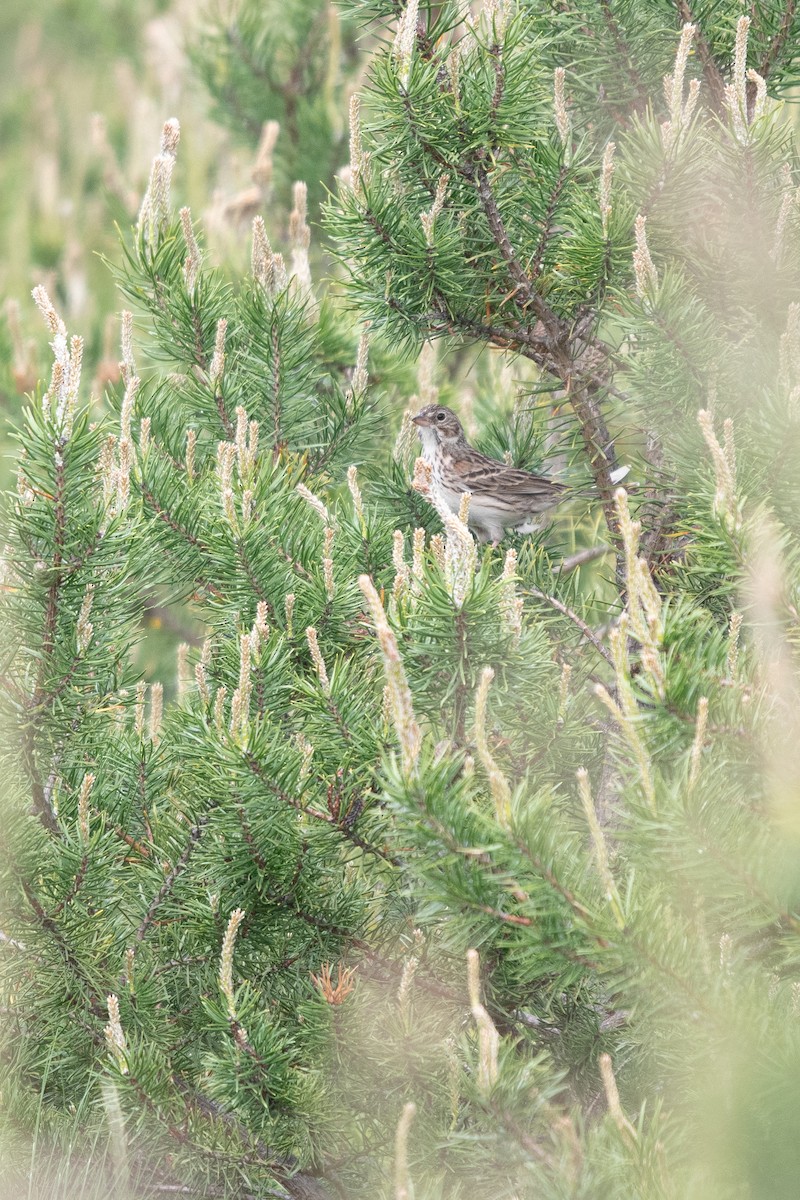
x: 246, y: 442
x: 643, y: 265
x: 115, y: 1037
x: 360, y: 374
x: 488, y: 1036
x: 563, y: 123
x: 789, y: 200
x: 315, y: 502
x: 606, y: 177
x: 724, y: 459
x: 497, y: 14
x: 460, y: 558
x: 563, y: 691
x: 127, y: 365
x: 300, y: 237
x: 405, y: 41
x: 47, y: 309
x: 680, y: 111
x: 130, y: 955
x: 219, y: 708
x: 402, y: 575
x: 463, y: 507
x: 629, y: 731
x: 600, y: 847
x: 123, y: 474
x: 225, y: 976
x: 736, y: 90
x: 307, y: 752
x: 191, y: 264
x: 699, y: 740
x: 156, y: 710
x: 240, y: 701
x: 454, y: 75
x: 734, y: 630
x: 790, y: 346
x: 501, y: 792
x: 126, y: 454
x: 358, y: 502
x: 327, y: 562
x: 126, y: 412
x: 262, y: 265
x: 402, y: 708
x: 83, y: 806
x: 511, y: 605
x: 438, y: 551
x: 288, y: 605
x: 317, y: 659
x: 417, y: 561
x: 260, y: 631
x: 61, y: 396
x: 138, y: 718
x: 200, y: 672
x: 182, y: 676
x: 264, y: 165
x: 405, y: 440
x: 760, y: 84
x: 643, y: 607
x: 356, y: 153
x: 460, y: 551
x: 84, y: 628
x: 154, y: 212
x: 226, y: 459
x: 429, y: 218
x: 107, y: 469
x: 217, y: 365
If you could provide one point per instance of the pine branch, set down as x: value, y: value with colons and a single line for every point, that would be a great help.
x: 585, y: 629
x: 626, y: 58
x: 777, y: 44
x: 177, y: 870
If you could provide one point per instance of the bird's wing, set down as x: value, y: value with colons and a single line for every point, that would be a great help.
x: 486, y: 477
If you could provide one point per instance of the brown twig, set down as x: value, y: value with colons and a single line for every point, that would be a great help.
x: 585, y: 629
x: 169, y: 882
x: 582, y: 557
x: 775, y: 47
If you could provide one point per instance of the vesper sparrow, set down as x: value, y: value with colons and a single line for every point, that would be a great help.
x: 503, y: 497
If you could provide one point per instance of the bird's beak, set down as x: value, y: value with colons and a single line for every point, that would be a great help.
x: 421, y: 421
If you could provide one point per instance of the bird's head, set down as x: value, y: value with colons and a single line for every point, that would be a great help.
x: 437, y: 425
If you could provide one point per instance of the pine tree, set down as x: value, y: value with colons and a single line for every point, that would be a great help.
x: 445, y: 870
x: 278, y: 70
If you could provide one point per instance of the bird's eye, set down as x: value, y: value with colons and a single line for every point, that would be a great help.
x: 440, y: 416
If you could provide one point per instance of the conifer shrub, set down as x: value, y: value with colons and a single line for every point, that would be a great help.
x: 443, y: 869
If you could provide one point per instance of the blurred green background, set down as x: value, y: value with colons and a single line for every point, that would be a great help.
x: 85, y: 87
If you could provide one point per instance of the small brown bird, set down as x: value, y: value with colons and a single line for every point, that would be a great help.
x: 503, y: 497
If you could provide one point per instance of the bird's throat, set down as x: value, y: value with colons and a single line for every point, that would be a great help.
x: 429, y: 443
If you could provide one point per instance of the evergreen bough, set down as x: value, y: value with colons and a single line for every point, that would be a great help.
x: 443, y: 872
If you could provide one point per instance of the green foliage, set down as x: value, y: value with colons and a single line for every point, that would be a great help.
x: 284, y: 62
x: 511, y: 840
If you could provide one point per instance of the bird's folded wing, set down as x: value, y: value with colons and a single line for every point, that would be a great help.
x: 484, y: 477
